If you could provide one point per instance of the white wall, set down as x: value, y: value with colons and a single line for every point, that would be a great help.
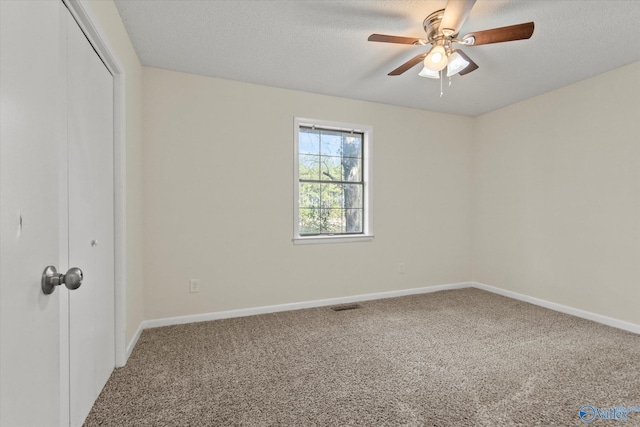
x: 557, y: 196
x: 106, y: 18
x: 552, y: 206
x: 218, y: 198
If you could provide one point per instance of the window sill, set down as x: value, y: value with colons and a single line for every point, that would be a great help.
x: 314, y: 240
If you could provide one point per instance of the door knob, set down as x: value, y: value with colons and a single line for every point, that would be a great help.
x: 51, y: 278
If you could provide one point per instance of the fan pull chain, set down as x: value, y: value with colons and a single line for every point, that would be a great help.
x: 449, y: 81
x: 441, y: 78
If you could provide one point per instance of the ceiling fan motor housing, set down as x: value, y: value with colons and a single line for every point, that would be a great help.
x: 432, y: 24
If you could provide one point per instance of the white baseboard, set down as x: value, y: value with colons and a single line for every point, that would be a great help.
x: 599, y: 318
x: 204, y: 317
x: 134, y: 340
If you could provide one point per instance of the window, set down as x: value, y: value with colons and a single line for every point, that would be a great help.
x: 332, y: 182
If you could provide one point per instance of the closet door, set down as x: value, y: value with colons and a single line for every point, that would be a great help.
x: 56, y: 208
x: 32, y: 118
x: 91, y: 228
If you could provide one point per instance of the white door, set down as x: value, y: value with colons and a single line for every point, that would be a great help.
x: 56, y: 197
x: 32, y: 126
x: 91, y: 228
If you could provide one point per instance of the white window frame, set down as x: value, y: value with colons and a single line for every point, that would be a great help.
x: 367, y: 170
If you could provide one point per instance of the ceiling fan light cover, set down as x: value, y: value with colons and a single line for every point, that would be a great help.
x: 429, y: 73
x: 436, y: 59
x: 456, y: 64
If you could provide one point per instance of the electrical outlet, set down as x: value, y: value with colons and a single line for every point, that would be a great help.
x: 194, y: 285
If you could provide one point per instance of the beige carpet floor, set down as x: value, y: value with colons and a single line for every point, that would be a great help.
x: 451, y: 358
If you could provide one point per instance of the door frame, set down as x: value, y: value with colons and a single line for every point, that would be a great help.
x: 99, y: 41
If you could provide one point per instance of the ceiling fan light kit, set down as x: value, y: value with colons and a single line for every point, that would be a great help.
x: 442, y: 28
x: 429, y: 73
x: 456, y: 63
x: 436, y: 59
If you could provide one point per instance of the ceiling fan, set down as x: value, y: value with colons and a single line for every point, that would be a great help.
x: 442, y: 28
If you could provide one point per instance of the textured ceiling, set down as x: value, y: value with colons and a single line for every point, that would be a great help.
x: 321, y: 46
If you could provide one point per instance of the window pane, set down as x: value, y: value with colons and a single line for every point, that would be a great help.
x: 353, y: 220
x: 353, y: 196
x: 352, y: 145
x: 332, y: 221
x: 309, y: 141
x: 331, y: 169
x: 332, y: 196
x: 309, y: 167
x: 351, y: 169
x: 309, y: 221
x: 309, y: 195
x: 331, y: 143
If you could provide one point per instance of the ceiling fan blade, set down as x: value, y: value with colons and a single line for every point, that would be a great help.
x: 396, y: 39
x: 409, y: 64
x: 455, y: 14
x: 469, y: 68
x: 499, y: 35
